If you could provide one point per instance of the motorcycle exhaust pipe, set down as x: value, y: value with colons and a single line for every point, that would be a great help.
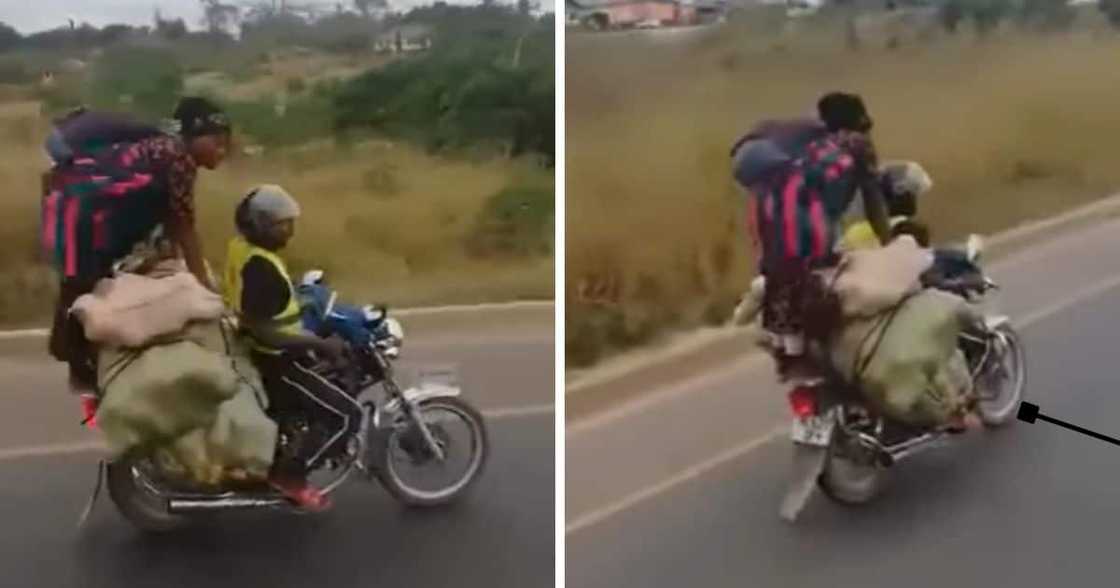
x: 914, y: 446
x: 192, y: 505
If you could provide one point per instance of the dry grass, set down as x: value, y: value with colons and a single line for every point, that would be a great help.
x: 1011, y: 129
x: 386, y: 221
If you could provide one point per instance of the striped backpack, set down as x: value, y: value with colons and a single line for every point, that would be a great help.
x: 797, y: 215
x: 95, y: 208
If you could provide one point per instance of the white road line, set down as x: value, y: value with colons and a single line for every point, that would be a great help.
x: 646, y: 401
x: 1079, y: 297
x: 631, y: 500
x: 527, y: 304
x: 23, y: 334
x: 51, y: 450
x: 519, y: 412
x: 16, y: 453
x: 599, y: 515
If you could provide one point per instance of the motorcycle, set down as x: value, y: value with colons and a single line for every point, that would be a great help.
x: 404, y: 432
x: 845, y: 450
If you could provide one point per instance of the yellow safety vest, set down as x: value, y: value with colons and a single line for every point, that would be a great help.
x: 238, y: 254
x: 860, y: 235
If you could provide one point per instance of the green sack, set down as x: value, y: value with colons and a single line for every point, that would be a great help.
x: 196, y: 406
x: 908, y: 365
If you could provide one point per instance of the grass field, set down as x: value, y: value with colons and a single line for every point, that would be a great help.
x: 1012, y: 128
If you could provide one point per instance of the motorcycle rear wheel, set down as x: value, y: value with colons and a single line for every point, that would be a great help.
x: 849, y: 481
x: 137, y: 504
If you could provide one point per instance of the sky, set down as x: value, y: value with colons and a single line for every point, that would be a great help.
x: 37, y: 15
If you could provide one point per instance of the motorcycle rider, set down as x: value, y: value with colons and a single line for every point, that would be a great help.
x: 902, y: 183
x: 260, y: 290
x: 803, y: 178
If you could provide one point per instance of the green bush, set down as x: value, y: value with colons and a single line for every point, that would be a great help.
x: 295, y: 85
x: 15, y: 71
x: 304, y: 119
x: 516, y: 222
x: 9, y: 37
x: 145, y: 81
x: 1111, y: 10
x: 487, y: 83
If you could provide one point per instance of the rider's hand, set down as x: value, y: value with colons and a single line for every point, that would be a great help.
x: 334, y: 348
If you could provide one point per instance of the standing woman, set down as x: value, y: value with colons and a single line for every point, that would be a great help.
x: 113, y: 187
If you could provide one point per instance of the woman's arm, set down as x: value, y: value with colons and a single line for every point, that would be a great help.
x: 875, y: 208
x: 186, y: 238
x: 181, y: 227
x: 867, y: 174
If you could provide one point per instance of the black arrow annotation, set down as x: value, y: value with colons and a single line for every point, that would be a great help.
x: 1028, y: 413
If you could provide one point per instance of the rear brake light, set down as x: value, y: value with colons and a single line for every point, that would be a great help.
x: 803, y: 401
x: 89, y: 410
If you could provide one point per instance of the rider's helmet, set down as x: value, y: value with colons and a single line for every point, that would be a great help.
x: 261, y: 209
x: 902, y: 182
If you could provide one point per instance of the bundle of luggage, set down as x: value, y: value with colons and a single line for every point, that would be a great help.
x: 174, y: 380
x: 896, y: 341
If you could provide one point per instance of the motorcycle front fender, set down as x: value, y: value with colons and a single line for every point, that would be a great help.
x: 996, y: 322
x: 430, y: 390
x: 417, y: 395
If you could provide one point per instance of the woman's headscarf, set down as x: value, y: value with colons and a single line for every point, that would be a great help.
x: 196, y: 117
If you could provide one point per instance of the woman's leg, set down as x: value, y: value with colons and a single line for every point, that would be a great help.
x: 68, y: 341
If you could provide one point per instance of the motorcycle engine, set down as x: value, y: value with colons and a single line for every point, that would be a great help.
x: 301, y: 438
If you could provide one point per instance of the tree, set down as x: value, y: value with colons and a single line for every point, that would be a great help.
x: 1111, y: 10
x: 951, y: 14
x: 171, y: 29
x: 1049, y: 15
x: 115, y: 33
x: 219, y: 17
x: 987, y: 14
x: 367, y: 6
x: 9, y: 38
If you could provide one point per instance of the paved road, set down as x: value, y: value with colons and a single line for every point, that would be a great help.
x: 501, y: 535
x: 682, y: 488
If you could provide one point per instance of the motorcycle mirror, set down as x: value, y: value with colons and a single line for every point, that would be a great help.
x: 974, y: 248
x: 372, y: 313
x: 312, y: 277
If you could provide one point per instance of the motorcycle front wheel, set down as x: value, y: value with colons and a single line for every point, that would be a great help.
x: 413, y: 474
x: 1001, y: 386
